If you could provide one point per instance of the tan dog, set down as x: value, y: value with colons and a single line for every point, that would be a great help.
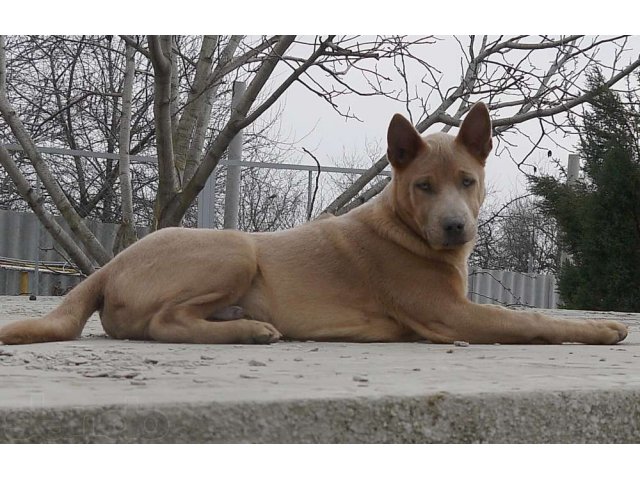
x: 394, y: 269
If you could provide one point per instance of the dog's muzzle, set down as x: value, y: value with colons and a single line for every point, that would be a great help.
x: 454, y: 232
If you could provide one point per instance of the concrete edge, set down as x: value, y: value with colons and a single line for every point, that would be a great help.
x: 538, y: 417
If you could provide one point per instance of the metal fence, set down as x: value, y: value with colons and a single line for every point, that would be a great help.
x: 19, y: 247
x: 512, y: 288
x: 23, y: 240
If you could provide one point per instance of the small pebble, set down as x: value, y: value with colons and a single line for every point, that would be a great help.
x: 77, y: 361
x: 416, y: 369
x: 137, y: 382
x: 256, y: 363
x: 460, y: 343
x: 358, y: 378
x: 95, y: 374
x: 314, y: 349
x: 124, y: 374
x: 449, y: 351
x: 246, y: 376
x: 298, y: 359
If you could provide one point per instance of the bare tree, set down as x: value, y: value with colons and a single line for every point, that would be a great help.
x: 49, y: 182
x: 518, y: 237
x: 72, y: 92
x: 188, y: 76
x: 126, y: 233
x: 67, y: 92
x: 506, y: 73
x: 271, y: 200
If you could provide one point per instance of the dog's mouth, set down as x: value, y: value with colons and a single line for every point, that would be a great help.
x: 454, y: 244
x: 444, y: 242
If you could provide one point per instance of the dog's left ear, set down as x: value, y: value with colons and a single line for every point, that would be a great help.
x: 403, y: 142
x: 475, y: 132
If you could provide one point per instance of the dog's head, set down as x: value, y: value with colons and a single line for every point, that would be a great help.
x: 438, y: 183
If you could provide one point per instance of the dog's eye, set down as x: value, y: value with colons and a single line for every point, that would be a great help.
x: 424, y: 186
x: 467, y: 182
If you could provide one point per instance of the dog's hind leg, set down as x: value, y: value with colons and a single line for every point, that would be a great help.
x: 198, y: 330
x: 187, y: 323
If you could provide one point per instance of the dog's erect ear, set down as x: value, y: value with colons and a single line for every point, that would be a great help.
x: 403, y: 142
x: 475, y: 132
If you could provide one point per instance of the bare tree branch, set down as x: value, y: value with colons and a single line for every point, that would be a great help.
x: 126, y: 232
x: 491, y: 77
x: 181, y: 201
x: 62, y: 202
x: 36, y: 204
x: 134, y: 44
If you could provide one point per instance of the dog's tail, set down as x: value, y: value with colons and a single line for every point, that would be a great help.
x: 63, y: 323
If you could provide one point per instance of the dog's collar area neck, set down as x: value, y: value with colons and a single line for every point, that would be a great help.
x: 400, y: 230
x: 407, y: 234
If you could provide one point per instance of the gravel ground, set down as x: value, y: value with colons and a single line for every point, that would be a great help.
x: 56, y: 382
x: 97, y: 369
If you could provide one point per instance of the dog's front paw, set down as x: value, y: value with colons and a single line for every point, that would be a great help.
x: 610, y: 331
x: 261, y: 332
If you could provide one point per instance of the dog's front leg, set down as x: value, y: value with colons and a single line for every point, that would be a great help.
x: 475, y: 323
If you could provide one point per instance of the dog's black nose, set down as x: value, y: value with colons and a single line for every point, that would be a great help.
x: 454, y: 231
x: 453, y: 226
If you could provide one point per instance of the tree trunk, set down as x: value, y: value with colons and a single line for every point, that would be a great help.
x: 200, y: 131
x: 160, y: 50
x: 75, y: 222
x: 36, y: 203
x: 175, y: 210
x: 197, y: 97
x: 126, y: 232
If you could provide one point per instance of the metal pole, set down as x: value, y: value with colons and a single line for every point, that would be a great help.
x: 232, y: 193
x: 573, y: 168
x: 573, y: 173
x: 533, y: 246
x: 36, y: 272
x: 309, y: 194
x: 206, y: 203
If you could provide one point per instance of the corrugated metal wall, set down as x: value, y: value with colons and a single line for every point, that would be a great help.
x: 19, y: 240
x: 512, y: 288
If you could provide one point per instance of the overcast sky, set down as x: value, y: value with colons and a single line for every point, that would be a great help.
x: 316, y: 125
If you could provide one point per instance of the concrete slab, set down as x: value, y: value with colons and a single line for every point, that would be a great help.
x: 97, y: 389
